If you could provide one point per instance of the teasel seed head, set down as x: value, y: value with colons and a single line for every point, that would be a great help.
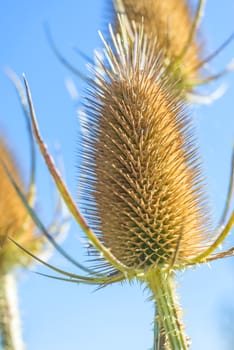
x: 170, y: 22
x: 14, y: 219
x: 143, y: 193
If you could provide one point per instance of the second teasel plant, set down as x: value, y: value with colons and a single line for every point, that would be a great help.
x: 14, y: 222
x: 143, y: 193
x: 175, y: 28
x: 176, y: 25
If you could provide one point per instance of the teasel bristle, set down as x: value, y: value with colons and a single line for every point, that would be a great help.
x: 171, y: 23
x: 142, y: 188
x: 14, y: 219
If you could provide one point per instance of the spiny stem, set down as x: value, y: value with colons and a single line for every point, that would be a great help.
x: 156, y: 329
x: 10, y: 330
x: 168, y: 312
x: 159, y: 334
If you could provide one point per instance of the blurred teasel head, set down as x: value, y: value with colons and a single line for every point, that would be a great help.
x: 15, y: 221
x: 175, y: 28
x: 175, y: 24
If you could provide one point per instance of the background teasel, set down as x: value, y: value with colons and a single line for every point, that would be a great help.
x: 177, y: 29
x: 171, y: 23
x: 133, y: 292
x: 15, y: 222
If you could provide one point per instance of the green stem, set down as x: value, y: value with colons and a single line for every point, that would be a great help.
x: 168, y: 315
x: 10, y: 330
x: 159, y: 334
x: 156, y: 329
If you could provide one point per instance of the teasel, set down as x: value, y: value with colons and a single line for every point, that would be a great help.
x: 176, y: 28
x: 177, y: 31
x: 16, y: 224
x: 171, y: 23
x: 143, y: 193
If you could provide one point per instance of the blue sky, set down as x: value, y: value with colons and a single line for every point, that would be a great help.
x: 63, y: 316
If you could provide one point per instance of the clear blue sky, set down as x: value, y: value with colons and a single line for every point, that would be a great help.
x: 63, y: 316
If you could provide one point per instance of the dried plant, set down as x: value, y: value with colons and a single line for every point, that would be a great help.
x: 178, y: 36
x: 14, y: 222
x: 143, y: 192
x: 14, y: 218
x: 176, y: 27
x: 171, y: 23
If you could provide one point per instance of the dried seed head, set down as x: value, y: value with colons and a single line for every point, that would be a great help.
x: 142, y: 190
x: 14, y: 221
x: 170, y: 22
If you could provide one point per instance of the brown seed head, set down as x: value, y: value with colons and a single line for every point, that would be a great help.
x: 170, y: 22
x: 14, y: 221
x: 142, y: 190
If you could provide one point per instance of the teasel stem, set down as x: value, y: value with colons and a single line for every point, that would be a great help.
x: 159, y: 334
x: 156, y: 344
x: 168, y: 315
x: 10, y: 329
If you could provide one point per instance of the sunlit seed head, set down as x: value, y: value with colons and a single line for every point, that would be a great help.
x: 14, y: 221
x: 170, y: 22
x: 142, y: 189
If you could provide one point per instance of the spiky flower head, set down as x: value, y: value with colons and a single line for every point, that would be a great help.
x: 14, y: 219
x: 171, y: 22
x: 143, y: 192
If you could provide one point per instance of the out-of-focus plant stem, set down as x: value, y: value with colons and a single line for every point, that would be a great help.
x: 10, y: 328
